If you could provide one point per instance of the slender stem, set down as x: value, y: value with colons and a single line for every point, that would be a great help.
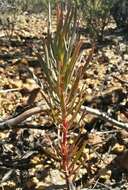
x: 65, y: 147
x: 64, y: 150
x: 70, y: 185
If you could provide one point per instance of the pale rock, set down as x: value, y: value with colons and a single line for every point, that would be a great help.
x: 122, y: 47
x: 126, y: 57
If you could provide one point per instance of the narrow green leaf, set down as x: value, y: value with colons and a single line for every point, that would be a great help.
x: 77, y: 148
x: 74, y: 84
x: 77, y: 107
x: 71, y: 64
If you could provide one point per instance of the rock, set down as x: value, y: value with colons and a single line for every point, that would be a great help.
x: 122, y: 47
x: 55, y: 177
x: 126, y: 57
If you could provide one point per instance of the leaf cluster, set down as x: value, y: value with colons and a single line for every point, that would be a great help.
x: 61, y: 67
x: 62, y: 73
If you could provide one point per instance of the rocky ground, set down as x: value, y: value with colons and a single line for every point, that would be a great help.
x: 24, y: 163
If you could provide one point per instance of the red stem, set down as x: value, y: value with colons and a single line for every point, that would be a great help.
x: 64, y: 146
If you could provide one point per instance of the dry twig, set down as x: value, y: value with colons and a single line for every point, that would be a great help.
x: 13, y: 122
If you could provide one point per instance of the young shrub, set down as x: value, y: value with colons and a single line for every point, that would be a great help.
x: 96, y: 14
x: 62, y: 73
x: 7, y: 18
x: 9, y: 12
x: 119, y: 12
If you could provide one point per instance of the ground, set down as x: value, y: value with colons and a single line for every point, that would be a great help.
x: 24, y: 163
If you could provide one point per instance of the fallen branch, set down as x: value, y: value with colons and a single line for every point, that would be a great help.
x: 121, y: 80
x: 13, y: 122
x: 104, y: 116
x: 2, y: 91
